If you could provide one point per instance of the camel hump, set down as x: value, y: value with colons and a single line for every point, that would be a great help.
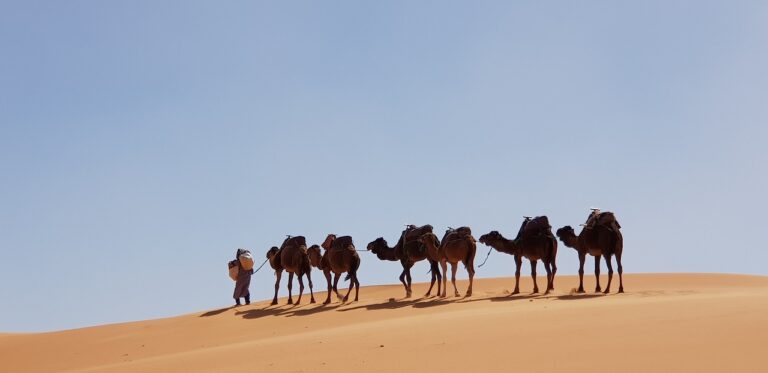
x: 342, y: 242
x: 608, y: 219
x: 413, y: 232
x: 296, y: 241
x: 605, y: 219
x: 458, y: 233
x: 536, y: 226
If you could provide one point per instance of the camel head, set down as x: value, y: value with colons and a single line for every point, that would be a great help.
x: 568, y: 236
x: 377, y: 245
x: 272, y: 252
x: 328, y: 241
x: 314, y: 255
x: 565, y: 232
x: 492, y: 238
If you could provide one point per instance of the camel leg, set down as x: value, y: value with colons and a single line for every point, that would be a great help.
x: 582, y: 257
x: 471, y: 271
x: 610, y: 273
x: 444, y: 266
x: 554, y: 271
x: 533, y: 275
x: 351, y: 285
x: 336, y: 277
x: 621, y: 271
x: 410, y: 281
x: 405, y: 284
x: 454, y: 266
x: 357, y: 286
x: 311, y: 292
x: 549, y: 276
x: 301, y: 287
x: 518, y: 264
x: 290, y: 287
x: 432, y: 268
x: 436, y: 270
x: 278, y: 275
x: 597, y: 274
x: 327, y: 274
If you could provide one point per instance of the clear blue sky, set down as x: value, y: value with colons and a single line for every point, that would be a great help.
x: 142, y: 142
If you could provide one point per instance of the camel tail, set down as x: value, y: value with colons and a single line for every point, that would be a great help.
x: 355, y: 266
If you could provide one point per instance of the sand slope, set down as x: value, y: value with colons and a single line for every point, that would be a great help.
x: 665, y: 322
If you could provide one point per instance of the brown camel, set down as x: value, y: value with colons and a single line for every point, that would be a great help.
x: 535, y: 245
x: 340, y: 256
x: 408, y: 251
x: 294, y: 260
x: 458, y: 245
x: 597, y: 240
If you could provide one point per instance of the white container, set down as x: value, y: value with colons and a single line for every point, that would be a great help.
x: 246, y: 260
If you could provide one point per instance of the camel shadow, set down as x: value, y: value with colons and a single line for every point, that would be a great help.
x: 579, y: 296
x: 312, y: 311
x: 433, y: 303
x: 388, y: 305
x: 292, y: 310
x: 216, y: 312
x: 257, y: 313
x: 506, y: 298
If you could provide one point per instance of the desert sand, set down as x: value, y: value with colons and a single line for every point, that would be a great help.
x: 665, y: 322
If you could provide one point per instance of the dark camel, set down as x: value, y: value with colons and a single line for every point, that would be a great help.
x: 455, y: 248
x: 534, y: 247
x: 294, y: 260
x: 340, y: 256
x: 596, y: 240
x: 408, y: 251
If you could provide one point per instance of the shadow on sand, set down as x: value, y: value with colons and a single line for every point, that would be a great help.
x: 423, y: 302
x: 580, y: 296
x: 216, y: 312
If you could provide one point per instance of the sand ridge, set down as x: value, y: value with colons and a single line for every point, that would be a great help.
x: 669, y: 322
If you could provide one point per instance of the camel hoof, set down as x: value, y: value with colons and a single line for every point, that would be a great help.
x: 621, y: 290
x: 312, y: 301
x: 597, y: 290
x: 327, y: 301
x: 469, y: 294
x: 515, y: 292
x: 274, y: 302
x: 345, y: 299
x: 606, y: 291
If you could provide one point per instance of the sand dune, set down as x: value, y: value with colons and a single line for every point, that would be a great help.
x: 665, y: 322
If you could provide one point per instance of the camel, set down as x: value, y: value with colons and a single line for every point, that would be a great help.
x: 534, y: 247
x: 294, y: 260
x: 596, y: 240
x: 340, y: 256
x: 408, y: 251
x: 458, y: 245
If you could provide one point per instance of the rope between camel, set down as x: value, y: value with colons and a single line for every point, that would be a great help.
x: 486, y: 257
x: 262, y: 265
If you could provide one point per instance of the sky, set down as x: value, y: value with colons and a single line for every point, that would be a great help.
x: 143, y: 142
